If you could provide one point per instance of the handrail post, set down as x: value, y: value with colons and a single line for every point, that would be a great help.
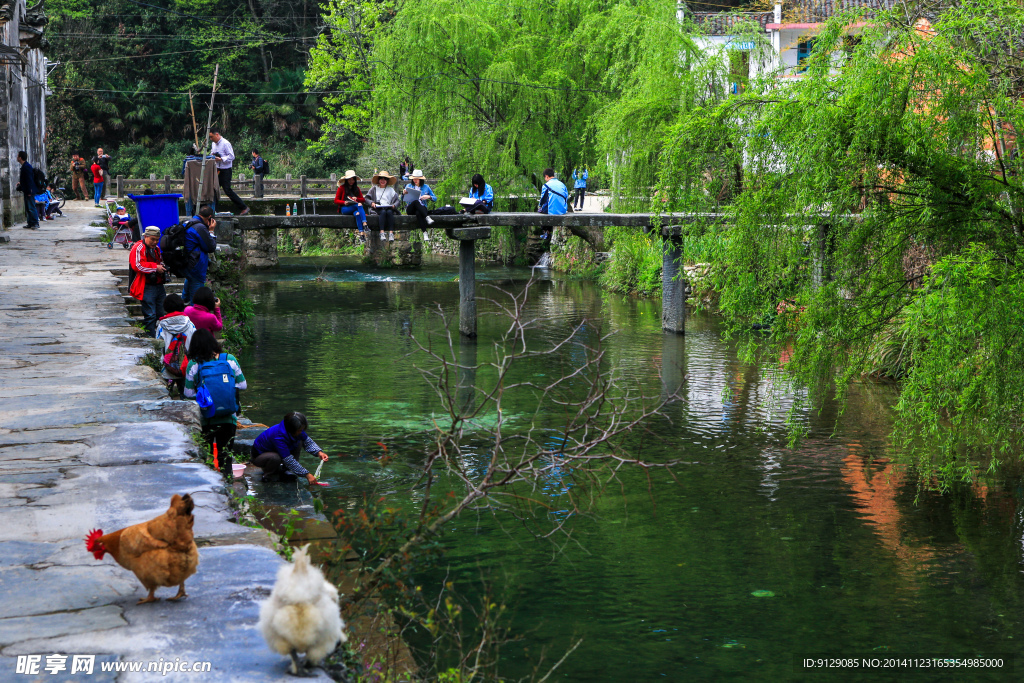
x: 167, y: 184
x: 120, y: 187
x: 302, y: 187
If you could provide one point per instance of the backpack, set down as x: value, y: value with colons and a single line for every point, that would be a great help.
x: 175, y: 355
x: 172, y: 247
x: 215, y: 388
x: 39, y: 179
x: 265, y: 168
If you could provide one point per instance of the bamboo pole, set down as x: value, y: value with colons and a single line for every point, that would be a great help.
x: 195, y: 129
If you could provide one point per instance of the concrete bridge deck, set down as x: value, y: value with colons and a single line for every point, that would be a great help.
x: 467, y: 229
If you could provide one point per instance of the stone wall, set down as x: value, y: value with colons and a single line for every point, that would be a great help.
x: 260, y: 248
x: 22, y: 99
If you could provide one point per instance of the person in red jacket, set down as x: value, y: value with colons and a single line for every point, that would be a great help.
x: 97, y: 182
x: 350, y: 200
x: 148, y: 275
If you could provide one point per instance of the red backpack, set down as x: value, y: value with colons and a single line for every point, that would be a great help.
x: 175, y: 359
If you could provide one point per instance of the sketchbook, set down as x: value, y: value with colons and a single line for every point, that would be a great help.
x: 411, y: 195
x: 467, y: 201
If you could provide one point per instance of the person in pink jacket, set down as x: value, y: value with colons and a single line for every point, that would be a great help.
x: 205, y: 311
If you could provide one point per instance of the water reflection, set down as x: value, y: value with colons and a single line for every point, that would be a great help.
x: 661, y: 583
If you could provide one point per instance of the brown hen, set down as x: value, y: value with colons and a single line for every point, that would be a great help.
x: 161, y: 552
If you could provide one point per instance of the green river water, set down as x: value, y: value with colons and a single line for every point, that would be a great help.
x: 674, y: 589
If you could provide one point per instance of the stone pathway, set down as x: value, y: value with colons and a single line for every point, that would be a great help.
x: 89, y: 439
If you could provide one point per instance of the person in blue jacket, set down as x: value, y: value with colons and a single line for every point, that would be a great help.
x: 278, y: 447
x: 580, y: 185
x: 554, y: 196
x: 200, y: 240
x: 482, y: 193
x: 418, y: 207
x: 27, y: 186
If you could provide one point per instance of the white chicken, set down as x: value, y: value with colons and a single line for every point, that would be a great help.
x: 302, y: 613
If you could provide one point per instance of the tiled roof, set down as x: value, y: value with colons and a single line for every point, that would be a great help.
x: 793, y: 11
x: 721, y: 23
x: 820, y: 11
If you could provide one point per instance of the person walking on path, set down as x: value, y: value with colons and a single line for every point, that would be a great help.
x: 205, y: 311
x: 580, y: 185
x: 225, y: 155
x: 279, y: 446
x: 554, y: 196
x: 103, y: 160
x: 203, y: 348
x: 148, y: 275
x: 349, y: 199
x: 418, y: 206
x: 79, y: 172
x: 27, y: 186
x: 259, y: 169
x: 97, y: 182
x: 200, y: 240
x: 383, y: 199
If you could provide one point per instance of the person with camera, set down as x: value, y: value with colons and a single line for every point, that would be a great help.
x: 224, y: 153
x: 79, y: 171
x: 148, y: 274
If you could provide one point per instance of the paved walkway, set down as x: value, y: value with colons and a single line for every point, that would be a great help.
x: 89, y: 439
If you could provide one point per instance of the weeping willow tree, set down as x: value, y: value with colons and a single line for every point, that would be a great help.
x: 880, y: 221
x: 679, y: 74
x: 506, y: 89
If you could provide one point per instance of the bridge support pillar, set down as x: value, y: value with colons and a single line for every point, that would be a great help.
x: 467, y: 288
x: 467, y: 238
x: 673, y: 284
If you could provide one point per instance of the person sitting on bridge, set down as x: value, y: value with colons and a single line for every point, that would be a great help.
x: 554, y: 196
x: 483, y: 194
x: 383, y: 199
x: 418, y: 207
x: 279, y: 446
x: 349, y: 199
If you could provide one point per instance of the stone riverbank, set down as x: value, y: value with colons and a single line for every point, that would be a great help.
x: 89, y: 439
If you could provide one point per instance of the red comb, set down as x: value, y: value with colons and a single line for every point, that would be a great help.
x: 93, y: 545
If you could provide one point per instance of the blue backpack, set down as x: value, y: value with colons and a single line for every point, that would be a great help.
x: 215, y: 390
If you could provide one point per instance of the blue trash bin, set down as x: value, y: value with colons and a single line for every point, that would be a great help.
x: 160, y: 210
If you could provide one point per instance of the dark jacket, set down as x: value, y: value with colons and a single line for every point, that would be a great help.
x: 26, y: 180
x: 198, y: 243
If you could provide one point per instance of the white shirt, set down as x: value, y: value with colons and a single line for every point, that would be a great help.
x: 226, y: 152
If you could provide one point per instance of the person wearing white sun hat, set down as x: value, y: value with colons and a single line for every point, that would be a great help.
x: 418, y: 206
x: 383, y: 199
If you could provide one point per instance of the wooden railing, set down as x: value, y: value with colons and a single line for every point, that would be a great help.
x: 243, y: 185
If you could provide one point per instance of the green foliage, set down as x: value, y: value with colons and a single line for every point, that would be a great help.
x: 635, y: 264
x: 126, y: 70
x: 505, y: 89
x: 574, y: 257
x: 964, y: 393
x: 226, y: 279
x: 877, y: 194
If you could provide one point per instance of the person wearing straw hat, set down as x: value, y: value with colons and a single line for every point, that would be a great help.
x: 349, y: 199
x: 147, y: 276
x: 383, y: 199
x: 417, y: 206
